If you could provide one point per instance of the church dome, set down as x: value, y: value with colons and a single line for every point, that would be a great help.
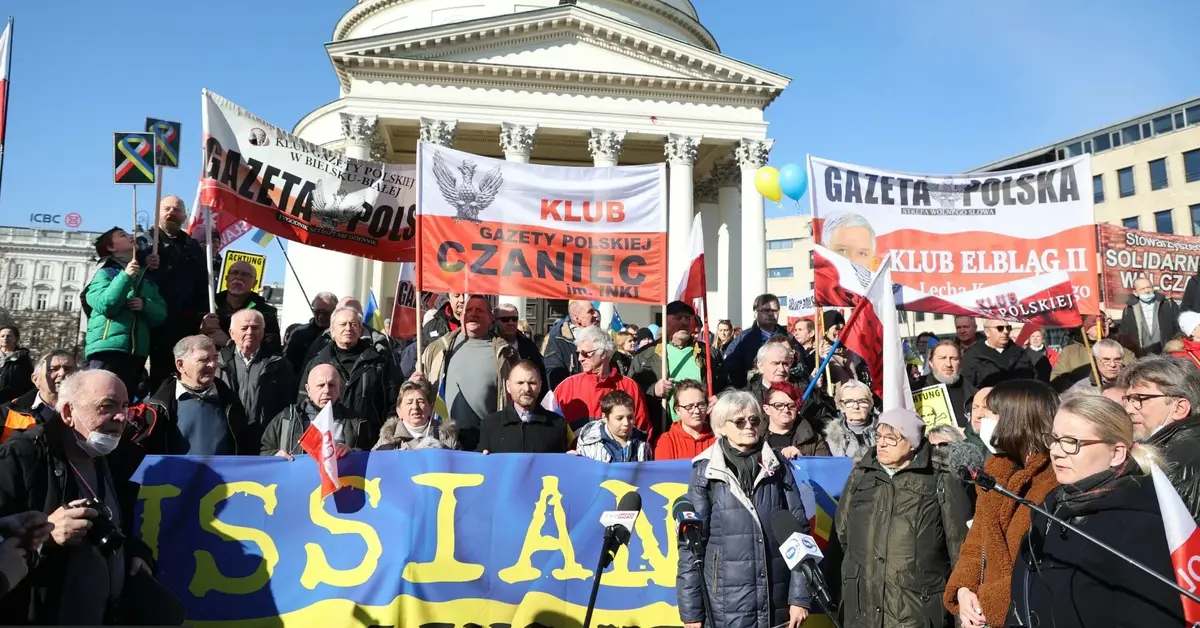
x: 369, y: 18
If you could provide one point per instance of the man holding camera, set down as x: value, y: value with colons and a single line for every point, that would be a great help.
x: 88, y: 572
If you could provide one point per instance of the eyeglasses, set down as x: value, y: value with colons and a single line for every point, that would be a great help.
x: 693, y: 408
x: 1002, y: 328
x: 768, y: 310
x: 889, y: 440
x: 507, y: 319
x: 783, y: 406
x: 1069, y: 444
x: 856, y: 402
x: 586, y: 355
x: 1111, y: 361
x: 1136, y: 400
x: 741, y: 423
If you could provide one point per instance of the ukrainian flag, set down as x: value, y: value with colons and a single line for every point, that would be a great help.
x: 262, y: 238
x: 616, y: 324
x: 373, y: 318
x: 440, y: 411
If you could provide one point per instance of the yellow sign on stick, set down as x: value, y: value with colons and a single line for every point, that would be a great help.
x: 259, y: 262
x: 933, y: 406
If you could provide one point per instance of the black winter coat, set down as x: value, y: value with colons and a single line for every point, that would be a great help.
x: 1179, y: 445
x: 901, y: 536
x: 298, y: 343
x: 33, y: 476
x: 158, y: 437
x: 748, y: 582
x: 272, y: 337
x: 983, y: 365
x: 182, y: 280
x: 1167, y: 312
x: 743, y: 349
x: 16, y: 375
x: 369, y: 390
x: 1076, y: 583
x: 503, y: 432
x: 284, y: 431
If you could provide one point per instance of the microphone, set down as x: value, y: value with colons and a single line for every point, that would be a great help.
x: 980, y: 478
x: 688, y: 523
x: 618, y: 526
x: 800, y: 552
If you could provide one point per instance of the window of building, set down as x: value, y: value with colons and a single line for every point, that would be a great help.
x: 1074, y: 150
x: 1145, y: 130
x: 1098, y: 188
x: 1163, y: 222
x: 786, y: 271
x: 1130, y: 134
x: 1195, y: 213
x: 902, y: 317
x: 1179, y: 120
x: 68, y: 303
x: 774, y: 245
x: 1191, y: 165
x: 1116, y: 138
x: 44, y: 271
x: 1103, y: 142
x: 1125, y: 181
x: 938, y: 317
x: 1158, y: 174
x: 41, y: 301
x: 70, y: 272
x: 812, y: 285
x: 919, y: 317
x: 1162, y: 124
x: 1193, y: 114
x: 1130, y: 222
x: 1087, y: 146
x: 14, y: 300
x: 19, y: 271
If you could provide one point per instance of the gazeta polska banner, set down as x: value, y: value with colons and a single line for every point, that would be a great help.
x: 497, y: 227
x: 294, y: 189
x: 955, y: 233
x: 424, y: 538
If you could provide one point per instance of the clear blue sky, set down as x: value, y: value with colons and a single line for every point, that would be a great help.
x: 926, y: 86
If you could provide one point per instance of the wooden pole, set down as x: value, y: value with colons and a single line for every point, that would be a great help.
x: 158, y: 171
x: 1091, y: 358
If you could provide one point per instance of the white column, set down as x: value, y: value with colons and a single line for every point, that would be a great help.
x: 518, y: 141
x: 752, y: 155
x: 727, y: 304
x: 605, y: 147
x: 440, y: 132
x: 681, y: 152
x: 705, y: 196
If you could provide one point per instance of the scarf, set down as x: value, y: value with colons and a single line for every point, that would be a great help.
x: 1075, y: 496
x: 744, y: 464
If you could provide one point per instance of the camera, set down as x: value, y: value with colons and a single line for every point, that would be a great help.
x: 103, y: 534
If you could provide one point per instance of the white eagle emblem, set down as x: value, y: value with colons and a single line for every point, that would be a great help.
x: 467, y: 200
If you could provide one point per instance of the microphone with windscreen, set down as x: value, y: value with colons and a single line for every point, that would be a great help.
x: 688, y: 523
x: 618, y: 526
x: 801, y: 553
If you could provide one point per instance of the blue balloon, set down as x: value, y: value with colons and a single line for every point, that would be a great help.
x: 793, y: 180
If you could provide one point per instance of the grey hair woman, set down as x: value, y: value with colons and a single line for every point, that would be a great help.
x: 737, y: 485
x: 414, y: 422
x: 853, y: 432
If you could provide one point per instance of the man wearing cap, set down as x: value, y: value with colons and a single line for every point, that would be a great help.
x: 687, y: 358
x: 896, y: 487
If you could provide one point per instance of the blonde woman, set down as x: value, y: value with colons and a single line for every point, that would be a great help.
x: 1061, y: 579
x: 853, y: 431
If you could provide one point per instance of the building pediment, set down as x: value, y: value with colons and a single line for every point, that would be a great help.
x: 564, y: 45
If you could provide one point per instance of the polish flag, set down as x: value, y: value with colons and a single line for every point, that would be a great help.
x: 5, y: 58
x: 1183, y: 539
x: 871, y: 331
x: 692, y: 285
x: 318, y: 442
x: 229, y: 226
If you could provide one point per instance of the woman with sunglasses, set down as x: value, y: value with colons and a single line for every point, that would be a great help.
x: 853, y: 431
x: 900, y: 521
x: 1061, y: 579
x: 787, y: 432
x: 1017, y: 414
x: 737, y: 486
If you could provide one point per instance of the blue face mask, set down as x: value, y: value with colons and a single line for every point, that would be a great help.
x: 1146, y: 298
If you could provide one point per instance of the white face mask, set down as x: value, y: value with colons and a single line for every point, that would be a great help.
x: 99, y: 444
x: 987, y: 428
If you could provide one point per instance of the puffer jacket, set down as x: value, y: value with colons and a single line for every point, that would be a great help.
x: 594, y: 442
x: 111, y: 325
x: 396, y: 436
x: 748, y: 582
x: 901, y: 536
x: 1179, y: 445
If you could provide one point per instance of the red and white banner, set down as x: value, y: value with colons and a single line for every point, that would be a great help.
x: 798, y: 306
x: 5, y: 64
x: 294, y: 189
x: 692, y: 286
x: 318, y: 441
x: 498, y: 227
x: 224, y: 223
x: 871, y: 332
x: 1183, y: 540
x: 956, y: 233
x: 1046, y: 299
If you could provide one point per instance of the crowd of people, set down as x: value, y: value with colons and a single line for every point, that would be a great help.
x: 1074, y: 428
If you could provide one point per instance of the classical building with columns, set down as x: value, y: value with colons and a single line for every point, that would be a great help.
x: 588, y: 83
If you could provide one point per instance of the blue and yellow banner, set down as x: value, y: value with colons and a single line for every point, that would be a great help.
x: 421, y: 538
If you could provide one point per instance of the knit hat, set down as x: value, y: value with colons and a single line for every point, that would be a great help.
x: 644, y: 334
x: 829, y: 318
x: 1188, y: 322
x: 905, y: 421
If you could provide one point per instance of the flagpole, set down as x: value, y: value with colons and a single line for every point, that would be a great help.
x: 837, y: 342
x: 707, y: 345
x: 135, y: 212
x: 208, y: 249
x: 7, y: 82
x: 157, y: 201
x: 417, y: 282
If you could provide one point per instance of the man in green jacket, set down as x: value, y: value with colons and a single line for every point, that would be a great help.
x: 122, y: 304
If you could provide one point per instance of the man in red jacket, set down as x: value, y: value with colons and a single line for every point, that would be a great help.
x: 577, y: 398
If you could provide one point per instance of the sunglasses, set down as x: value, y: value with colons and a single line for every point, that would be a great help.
x: 741, y: 423
x: 586, y: 355
x: 507, y: 319
x: 1003, y: 328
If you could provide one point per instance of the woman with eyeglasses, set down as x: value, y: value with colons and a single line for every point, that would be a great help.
x: 691, y: 434
x: 737, y: 485
x: 900, y: 521
x: 853, y: 431
x: 787, y: 433
x: 1016, y: 415
x: 1061, y: 579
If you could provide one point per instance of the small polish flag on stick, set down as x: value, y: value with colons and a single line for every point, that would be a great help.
x: 1183, y: 539
x: 318, y: 442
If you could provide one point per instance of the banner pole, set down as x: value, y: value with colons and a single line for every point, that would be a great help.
x: 208, y: 249
x: 294, y: 274
x: 417, y: 282
x: 1088, y: 345
x: 157, y: 201
x: 5, y: 96
x: 707, y: 345
x: 135, y: 216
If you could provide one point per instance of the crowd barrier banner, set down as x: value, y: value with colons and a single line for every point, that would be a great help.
x: 424, y: 538
x: 498, y: 227
x: 286, y: 186
x: 1167, y: 260
x: 950, y: 234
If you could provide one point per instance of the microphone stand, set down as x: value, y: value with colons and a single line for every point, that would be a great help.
x: 812, y: 574
x: 988, y: 483
x: 698, y: 564
x: 606, y: 558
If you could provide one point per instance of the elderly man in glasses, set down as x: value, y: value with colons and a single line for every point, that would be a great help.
x: 577, y: 398
x: 1110, y: 361
x: 997, y: 358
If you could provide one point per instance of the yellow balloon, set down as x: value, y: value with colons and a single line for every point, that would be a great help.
x: 766, y: 181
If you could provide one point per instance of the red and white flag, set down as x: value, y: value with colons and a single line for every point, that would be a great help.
x: 692, y: 286
x: 318, y: 442
x: 871, y: 331
x: 5, y: 62
x: 229, y: 226
x: 1183, y: 539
